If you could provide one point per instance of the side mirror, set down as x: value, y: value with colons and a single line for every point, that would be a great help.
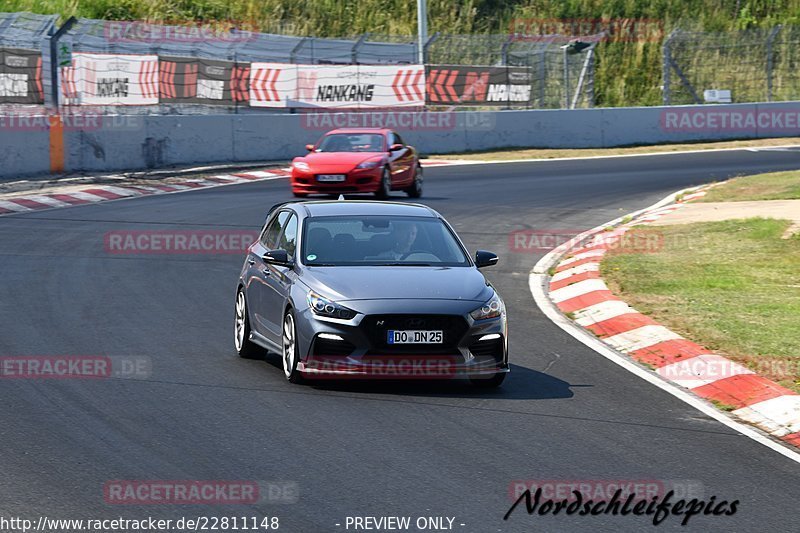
x: 310, y: 147
x: 278, y: 257
x: 396, y: 147
x: 485, y: 259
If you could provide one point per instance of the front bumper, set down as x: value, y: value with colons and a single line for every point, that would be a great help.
x: 359, y: 348
x: 357, y: 180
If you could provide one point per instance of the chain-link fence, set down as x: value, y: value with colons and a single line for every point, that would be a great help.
x: 561, y: 74
x: 553, y: 73
x: 759, y: 65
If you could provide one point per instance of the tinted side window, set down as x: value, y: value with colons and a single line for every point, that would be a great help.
x: 288, y: 239
x: 398, y: 140
x: 390, y: 139
x: 270, y: 237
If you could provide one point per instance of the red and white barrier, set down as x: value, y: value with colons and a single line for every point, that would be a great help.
x: 111, y: 79
x: 336, y: 86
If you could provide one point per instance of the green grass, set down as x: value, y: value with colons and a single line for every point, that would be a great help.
x: 628, y: 72
x: 772, y: 186
x: 723, y: 406
x: 731, y: 286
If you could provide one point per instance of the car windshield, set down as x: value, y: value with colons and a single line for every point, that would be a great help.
x: 351, y: 142
x: 380, y: 241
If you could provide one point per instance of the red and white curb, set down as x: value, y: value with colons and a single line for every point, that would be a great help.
x: 576, y: 289
x: 89, y: 194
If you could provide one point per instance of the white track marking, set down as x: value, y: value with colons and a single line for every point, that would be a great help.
x: 602, y: 311
x: 46, y: 200
x: 14, y: 207
x: 89, y: 197
x: 457, y: 162
x: 580, y: 269
x: 578, y: 289
x: 583, y: 255
x: 781, y: 415
x: 636, y: 339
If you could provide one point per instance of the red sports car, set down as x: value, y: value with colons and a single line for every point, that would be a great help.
x: 365, y: 160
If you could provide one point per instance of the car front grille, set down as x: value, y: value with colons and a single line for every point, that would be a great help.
x: 376, y: 328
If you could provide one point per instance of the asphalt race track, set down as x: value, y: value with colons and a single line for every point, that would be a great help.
x: 565, y: 413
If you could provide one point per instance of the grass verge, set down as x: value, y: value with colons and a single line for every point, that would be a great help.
x: 731, y: 286
x: 772, y: 186
x: 553, y: 153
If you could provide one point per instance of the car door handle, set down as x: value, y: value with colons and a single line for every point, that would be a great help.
x: 266, y: 272
x: 251, y: 262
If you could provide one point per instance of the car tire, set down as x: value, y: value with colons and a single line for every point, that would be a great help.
x: 415, y: 190
x: 491, y: 382
x: 241, y: 330
x: 289, y: 348
x: 385, y: 186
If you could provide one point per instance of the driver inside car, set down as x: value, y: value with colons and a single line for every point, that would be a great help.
x: 404, y: 236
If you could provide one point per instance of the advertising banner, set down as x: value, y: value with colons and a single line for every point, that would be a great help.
x: 192, y: 80
x: 20, y: 76
x: 336, y: 86
x: 111, y: 79
x: 478, y: 86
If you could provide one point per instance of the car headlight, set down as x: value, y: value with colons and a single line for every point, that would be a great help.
x: 324, y: 307
x: 491, y: 309
x: 301, y: 165
x: 369, y: 163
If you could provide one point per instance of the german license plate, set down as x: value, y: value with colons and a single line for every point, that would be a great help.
x: 414, y: 336
x: 331, y: 177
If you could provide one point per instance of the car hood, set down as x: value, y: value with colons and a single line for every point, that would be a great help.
x: 343, y: 160
x: 398, y: 282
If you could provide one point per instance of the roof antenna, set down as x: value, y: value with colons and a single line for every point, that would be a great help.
x: 341, y: 197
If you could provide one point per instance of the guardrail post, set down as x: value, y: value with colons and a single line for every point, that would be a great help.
x: 579, y: 87
x: 770, y: 59
x: 52, y: 96
x: 666, y: 67
x: 297, y: 47
x: 590, y: 80
x: 504, y: 50
x: 427, y: 46
x: 354, y: 50
x: 566, y: 78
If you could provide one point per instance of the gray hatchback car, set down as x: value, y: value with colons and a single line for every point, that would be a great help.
x: 363, y: 289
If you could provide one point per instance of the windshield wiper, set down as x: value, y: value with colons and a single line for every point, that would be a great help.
x: 407, y: 264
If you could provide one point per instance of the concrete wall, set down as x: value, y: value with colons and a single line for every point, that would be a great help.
x: 131, y: 142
